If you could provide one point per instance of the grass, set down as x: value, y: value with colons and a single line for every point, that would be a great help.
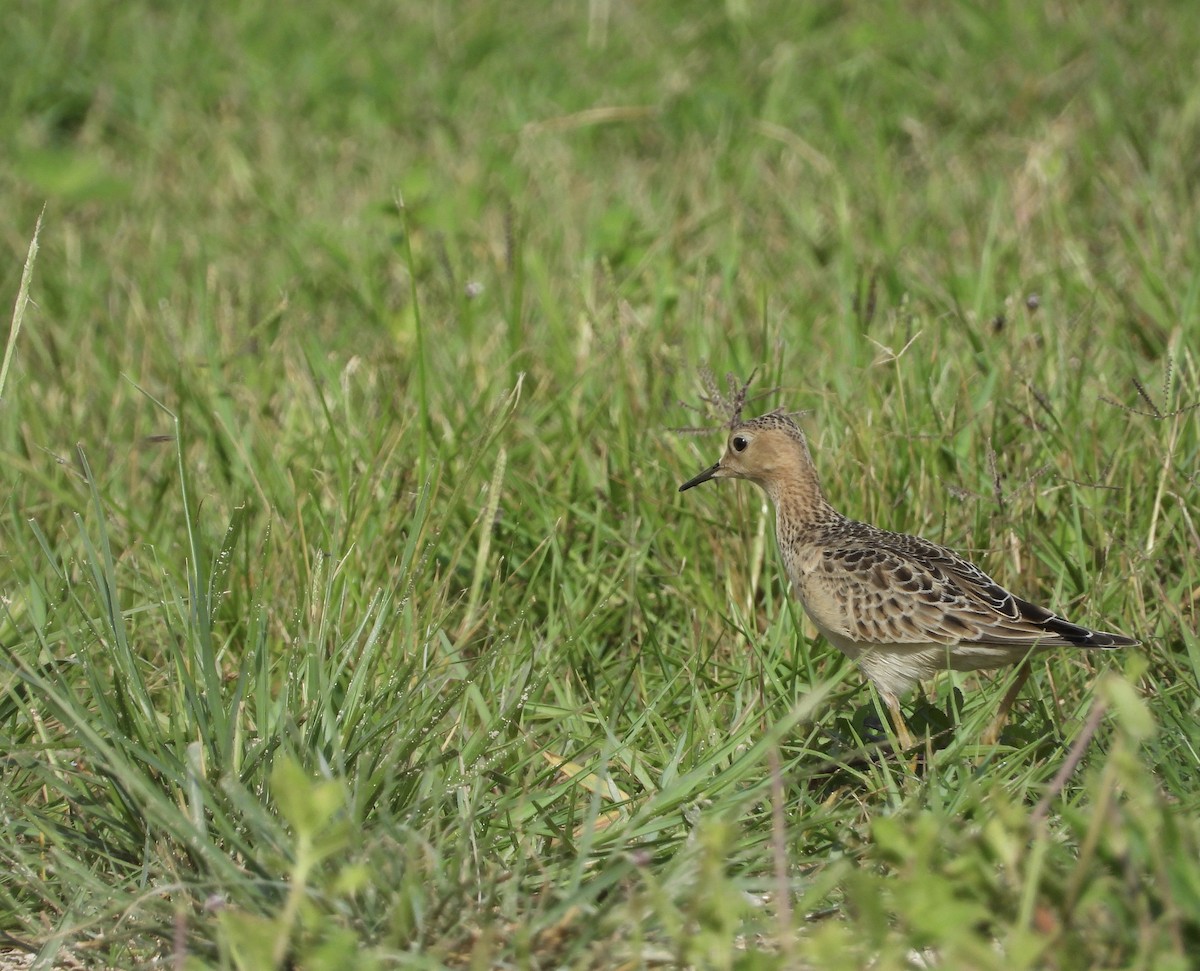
x: 350, y: 615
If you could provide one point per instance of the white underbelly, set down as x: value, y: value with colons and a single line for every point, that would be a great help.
x: 895, y: 668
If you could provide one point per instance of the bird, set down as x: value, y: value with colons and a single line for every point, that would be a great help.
x: 903, y: 608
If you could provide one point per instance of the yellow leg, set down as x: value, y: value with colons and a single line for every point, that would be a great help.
x: 992, y: 733
x: 902, y: 733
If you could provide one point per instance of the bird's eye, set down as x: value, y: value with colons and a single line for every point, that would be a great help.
x: 739, y: 443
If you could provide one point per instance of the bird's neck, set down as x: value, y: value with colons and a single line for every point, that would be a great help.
x: 799, y: 500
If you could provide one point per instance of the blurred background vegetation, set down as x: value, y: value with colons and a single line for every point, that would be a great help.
x: 350, y: 615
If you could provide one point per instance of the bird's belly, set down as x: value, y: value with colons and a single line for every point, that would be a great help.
x: 895, y: 668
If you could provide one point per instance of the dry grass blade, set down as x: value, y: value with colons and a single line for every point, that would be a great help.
x: 22, y: 302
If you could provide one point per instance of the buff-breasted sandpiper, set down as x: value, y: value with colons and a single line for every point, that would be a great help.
x: 900, y: 606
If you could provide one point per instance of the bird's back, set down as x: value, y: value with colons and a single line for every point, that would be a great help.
x: 870, y: 586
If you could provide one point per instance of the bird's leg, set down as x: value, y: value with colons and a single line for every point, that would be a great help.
x: 902, y: 733
x: 991, y: 734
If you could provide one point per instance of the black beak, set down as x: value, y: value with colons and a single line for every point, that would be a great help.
x: 702, y: 477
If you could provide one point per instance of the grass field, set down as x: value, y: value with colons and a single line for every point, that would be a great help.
x: 351, y: 617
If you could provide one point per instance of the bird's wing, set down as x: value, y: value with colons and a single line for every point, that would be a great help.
x: 893, y: 588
